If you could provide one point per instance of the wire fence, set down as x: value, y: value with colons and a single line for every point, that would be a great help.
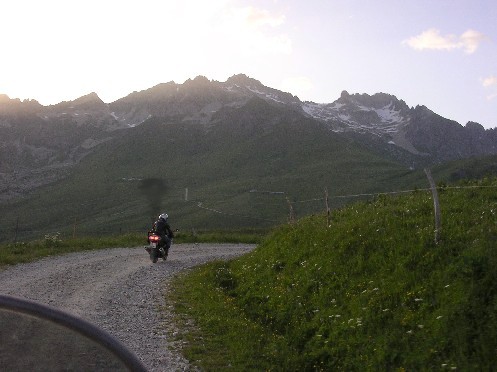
x: 18, y: 231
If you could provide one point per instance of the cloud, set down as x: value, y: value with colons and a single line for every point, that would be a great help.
x: 432, y: 40
x: 489, y: 81
x: 255, y: 31
x: 261, y: 17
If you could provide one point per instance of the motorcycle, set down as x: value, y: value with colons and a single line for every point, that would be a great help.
x: 155, y: 247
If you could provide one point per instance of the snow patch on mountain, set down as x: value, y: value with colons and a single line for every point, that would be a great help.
x: 270, y: 96
x: 354, y: 116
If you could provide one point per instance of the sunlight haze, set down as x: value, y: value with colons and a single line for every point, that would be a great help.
x: 441, y: 54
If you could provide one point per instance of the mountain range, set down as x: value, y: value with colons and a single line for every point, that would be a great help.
x: 209, y: 131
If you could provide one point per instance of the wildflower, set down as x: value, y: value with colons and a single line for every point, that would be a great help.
x: 409, y: 332
x: 375, y: 289
x: 418, y: 299
x: 439, y: 317
x: 420, y: 326
x: 447, y: 286
x: 384, y: 310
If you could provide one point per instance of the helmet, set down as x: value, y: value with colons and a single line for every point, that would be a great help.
x: 164, y: 216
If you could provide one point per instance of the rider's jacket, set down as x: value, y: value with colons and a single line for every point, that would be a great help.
x: 162, y: 228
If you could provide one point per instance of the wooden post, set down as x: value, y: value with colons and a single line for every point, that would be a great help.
x: 292, y: 213
x: 16, y: 230
x: 74, y: 228
x: 436, y: 205
x: 326, y: 198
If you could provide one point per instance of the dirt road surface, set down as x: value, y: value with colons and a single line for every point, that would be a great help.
x: 119, y: 290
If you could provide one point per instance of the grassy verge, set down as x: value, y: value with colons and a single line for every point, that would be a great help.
x: 372, y: 291
x: 55, y: 244
x: 248, y: 236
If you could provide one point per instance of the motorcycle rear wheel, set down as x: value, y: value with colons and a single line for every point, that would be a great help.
x: 154, y: 255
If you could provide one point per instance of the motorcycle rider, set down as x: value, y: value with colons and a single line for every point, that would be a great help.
x: 162, y: 228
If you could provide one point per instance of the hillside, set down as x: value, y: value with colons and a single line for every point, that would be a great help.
x: 244, y: 168
x: 371, y: 291
x: 214, y: 154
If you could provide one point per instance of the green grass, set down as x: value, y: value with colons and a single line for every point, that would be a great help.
x: 57, y: 244
x: 372, y: 291
x: 247, y: 236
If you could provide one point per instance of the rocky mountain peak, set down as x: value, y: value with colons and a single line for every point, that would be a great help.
x: 199, y: 81
x: 4, y: 98
x: 88, y: 102
x: 474, y: 127
x: 375, y: 101
x: 8, y: 105
x: 244, y: 80
x: 91, y: 98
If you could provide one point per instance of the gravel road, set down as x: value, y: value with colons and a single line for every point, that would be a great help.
x: 112, y: 289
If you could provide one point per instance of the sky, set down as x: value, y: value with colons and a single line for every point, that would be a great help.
x: 437, y: 53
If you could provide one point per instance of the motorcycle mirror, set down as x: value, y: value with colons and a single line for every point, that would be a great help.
x: 36, y: 337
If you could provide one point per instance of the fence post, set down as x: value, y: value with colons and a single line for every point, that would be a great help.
x: 16, y: 230
x: 74, y: 228
x: 292, y: 213
x: 436, y: 205
x: 327, y: 207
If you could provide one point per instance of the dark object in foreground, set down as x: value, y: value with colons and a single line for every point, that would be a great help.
x: 36, y: 337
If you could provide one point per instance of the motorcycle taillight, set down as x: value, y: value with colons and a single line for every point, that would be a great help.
x: 154, y: 238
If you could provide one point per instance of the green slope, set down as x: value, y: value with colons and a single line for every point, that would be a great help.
x: 370, y: 292
x: 259, y: 148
